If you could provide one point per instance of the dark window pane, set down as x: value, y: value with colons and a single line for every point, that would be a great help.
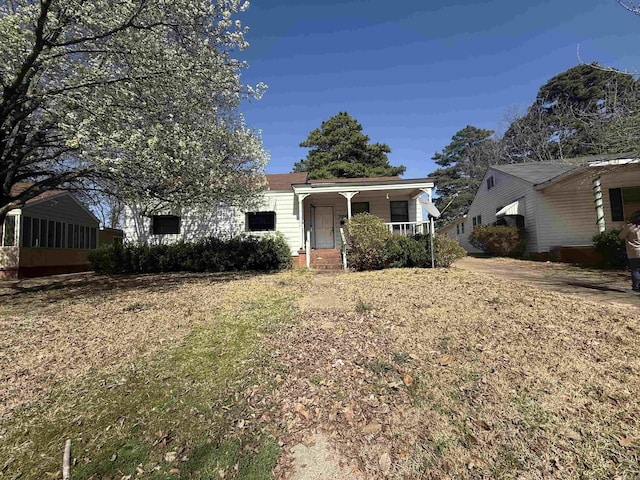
x: 93, y: 240
x: 76, y: 235
x: 359, y: 207
x: 26, y: 231
x: 69, y: 236
x: 35, y: 237
x: 58, y: 234
x: 261, y: 221
x: 43, y: 233
x: 399, y: 211
x: 165, y: 224
x: 51, y: 234
x: 615, y: 199
x: 81, y: 244
x: 9, y: 231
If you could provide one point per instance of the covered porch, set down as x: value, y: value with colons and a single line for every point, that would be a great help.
x: 325, y: 205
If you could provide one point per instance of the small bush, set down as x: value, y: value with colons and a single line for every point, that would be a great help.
x: 448, y: 250
x: 366, y: 237
x: 270, y: 252
x: 400, y: 252
x: 610, y: 248
x: 500, y: 240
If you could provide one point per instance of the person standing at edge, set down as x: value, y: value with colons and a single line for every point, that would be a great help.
x: 631, y: 235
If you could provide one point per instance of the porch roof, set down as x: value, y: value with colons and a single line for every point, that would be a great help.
x: 362, y: 184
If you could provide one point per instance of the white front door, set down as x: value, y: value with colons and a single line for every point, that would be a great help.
x: 323, y: 223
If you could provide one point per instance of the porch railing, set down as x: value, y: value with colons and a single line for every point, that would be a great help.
x: 408, y: 228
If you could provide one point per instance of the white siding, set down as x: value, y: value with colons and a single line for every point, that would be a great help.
x: 221, y: 221
x: 285, y: 204
x: 487, y: 202
x: 214, y: 222
x: 567, y: 215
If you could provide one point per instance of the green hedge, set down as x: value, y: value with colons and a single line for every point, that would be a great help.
x: 611, y: 249
x: 266, y: 253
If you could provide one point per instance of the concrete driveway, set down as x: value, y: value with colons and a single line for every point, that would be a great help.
x: 605, y: 286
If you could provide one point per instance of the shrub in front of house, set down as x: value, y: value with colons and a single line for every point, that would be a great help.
x: 499, y: 240
x: 400, y: 252
x: 265, y: 253
x: 610, y: 248
x: 448, y: 250
x: 366, y: 237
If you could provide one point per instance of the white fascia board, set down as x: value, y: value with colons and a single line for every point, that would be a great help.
x: 336, y: 188
x: 619, y: 161
x: 580, y: 170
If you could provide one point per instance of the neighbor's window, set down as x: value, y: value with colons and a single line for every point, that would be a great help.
x: 9, y: 231
x: 26, y: 231
x: 458, y: 229
x: 462, y: 227
x: 477, y: 221
x: 490, y: 183
x: 51, y: 234
x: 399, y: 211
x: 359, y: 207
x: 42, y: 241
x: 165, y: 224
x: 261, y: 221
x: 624, y: 201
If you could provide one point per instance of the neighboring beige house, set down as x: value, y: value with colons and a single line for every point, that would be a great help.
x: 560, y: 205
x: 52, y: 233
x: 309, y: 213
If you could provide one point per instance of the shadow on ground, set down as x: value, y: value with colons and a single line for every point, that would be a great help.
x: 78, y: 285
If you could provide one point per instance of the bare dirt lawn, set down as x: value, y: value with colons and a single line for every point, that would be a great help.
x: 406, y: 373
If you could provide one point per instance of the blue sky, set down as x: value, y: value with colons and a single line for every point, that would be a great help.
x: 415, y: 72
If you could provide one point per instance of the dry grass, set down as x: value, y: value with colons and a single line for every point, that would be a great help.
x: 462, y: 375
x: 408, y: 373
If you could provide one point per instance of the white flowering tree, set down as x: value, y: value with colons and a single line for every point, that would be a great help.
x: 134, y: 97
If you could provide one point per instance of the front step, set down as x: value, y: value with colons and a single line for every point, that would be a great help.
x: 326, y: 259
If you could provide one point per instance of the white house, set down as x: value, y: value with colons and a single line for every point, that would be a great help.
x: 309, y: 213
x: 560, y: 205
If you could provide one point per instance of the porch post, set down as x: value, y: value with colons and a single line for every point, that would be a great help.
x: 348, y: 196
x: 597, y: 195
x: 301, y: 197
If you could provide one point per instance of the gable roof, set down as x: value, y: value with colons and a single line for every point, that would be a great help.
x: 284, y: 181
x: 18, y: 188
x: 535, y: 173
x: 49, y: 194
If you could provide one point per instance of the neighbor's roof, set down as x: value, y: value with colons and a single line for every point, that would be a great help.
x: 21, y: 187
x: 538, y: 172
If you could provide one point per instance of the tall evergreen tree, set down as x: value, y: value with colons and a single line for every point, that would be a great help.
x: 464, y: 163
x: 339, y: 149
x: 582, y: 111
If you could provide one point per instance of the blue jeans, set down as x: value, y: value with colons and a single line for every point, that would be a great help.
x: 634, y: 266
